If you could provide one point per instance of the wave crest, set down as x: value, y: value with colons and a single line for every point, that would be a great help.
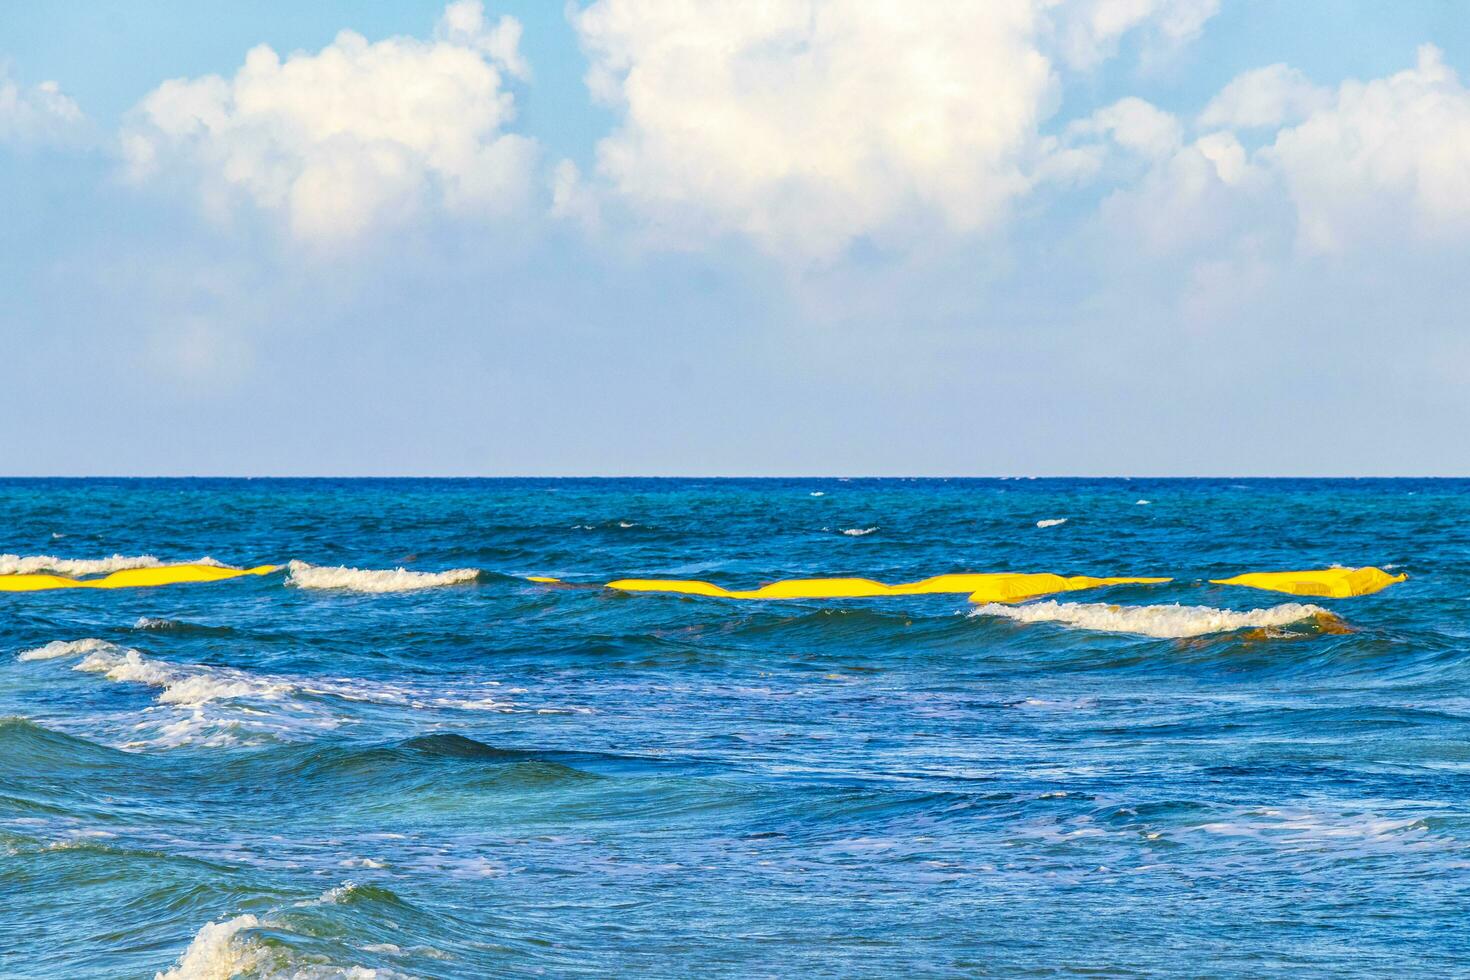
x: 218, y: 951
x: 305, y: 576
x: 1164, y: 621
x: 67, y: 648
x: 76, y: 567
x: 215, y: 953
x: 192, y: 687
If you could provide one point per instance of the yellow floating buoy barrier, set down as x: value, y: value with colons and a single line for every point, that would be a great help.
x: 980, y: 587
x: 1328, y: 583
x: 131, y: 578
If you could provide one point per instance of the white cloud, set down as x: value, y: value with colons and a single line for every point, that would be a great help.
x: 1384, y: 155
x: 572, y: 199
x: 1134, y: 125
x: 1270, y: 96
x: 1089, y: 30
x: 41, y: 115
x: 356, y: 135
x: 808, y: 124
x: 1384, y: 160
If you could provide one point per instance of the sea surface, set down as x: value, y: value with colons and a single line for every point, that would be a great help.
x: 324, y: 772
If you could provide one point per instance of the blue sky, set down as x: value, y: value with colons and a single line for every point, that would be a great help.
x: 637, y: 237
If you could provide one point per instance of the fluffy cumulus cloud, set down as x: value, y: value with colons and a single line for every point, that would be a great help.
x: 1379, y: 153
x: 355, y: 136
x: 1367, y: 162
x: 808, y: 125
x: 37, y: 115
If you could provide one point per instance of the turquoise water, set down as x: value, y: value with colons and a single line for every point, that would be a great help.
x: 258, y: 778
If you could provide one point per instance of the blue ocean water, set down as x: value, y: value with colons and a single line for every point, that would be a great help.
x: 497, y: 778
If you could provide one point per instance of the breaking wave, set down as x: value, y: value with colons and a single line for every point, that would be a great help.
x: 305, y: 576
x: 1168, y: 621
x: 221, y: 950
x: 214, y: 706
x: 66, y: 648
x: 1051, y: 522
x: 50, y: 564
x: 183, y: 686
x: 216, y: 952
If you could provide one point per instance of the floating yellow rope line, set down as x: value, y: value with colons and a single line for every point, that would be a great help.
x: 1333, y: 583
x: 1328, y: 583
x: 130, y: 578
x: 981, y: 587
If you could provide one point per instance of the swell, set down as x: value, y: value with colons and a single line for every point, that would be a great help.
x: 28, y: 746
x: 152, y: 624
x: 439, y: 759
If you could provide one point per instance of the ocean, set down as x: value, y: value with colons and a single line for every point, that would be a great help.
x: 341, y: 769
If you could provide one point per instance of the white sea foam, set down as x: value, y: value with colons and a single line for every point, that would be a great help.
x: 191, y: 685
x: 210, y: 706
x: 819, y: 493
x: 219, y: 952
x: 1353, y: 831
x: 1161, y: 620
x: 66, y: 648
x: 51, y: 565
x: 857, y: 532
x: 215, y: 953
x: 1142, y: 503
x: 306, y: 576
x: 1052, y: 522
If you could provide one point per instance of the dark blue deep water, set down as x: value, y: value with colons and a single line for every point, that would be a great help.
x: 495, y: 778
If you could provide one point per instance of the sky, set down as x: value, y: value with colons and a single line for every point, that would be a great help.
x: 701, y: 237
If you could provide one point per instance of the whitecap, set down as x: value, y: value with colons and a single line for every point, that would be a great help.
x: 76, y: 567
x: 372, y: 864
x: 305, y: 576
x: 1142, y: 503
x: 857, y: 532
x: 215, y: 953
x: 1051, y: 522
x: 182, y: 686
x: 208, y: 706
x: 818, y: 493
x: 1171, y: 621
x: 219, y: 952
x: 50, y: 564
x: 66, y: 648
